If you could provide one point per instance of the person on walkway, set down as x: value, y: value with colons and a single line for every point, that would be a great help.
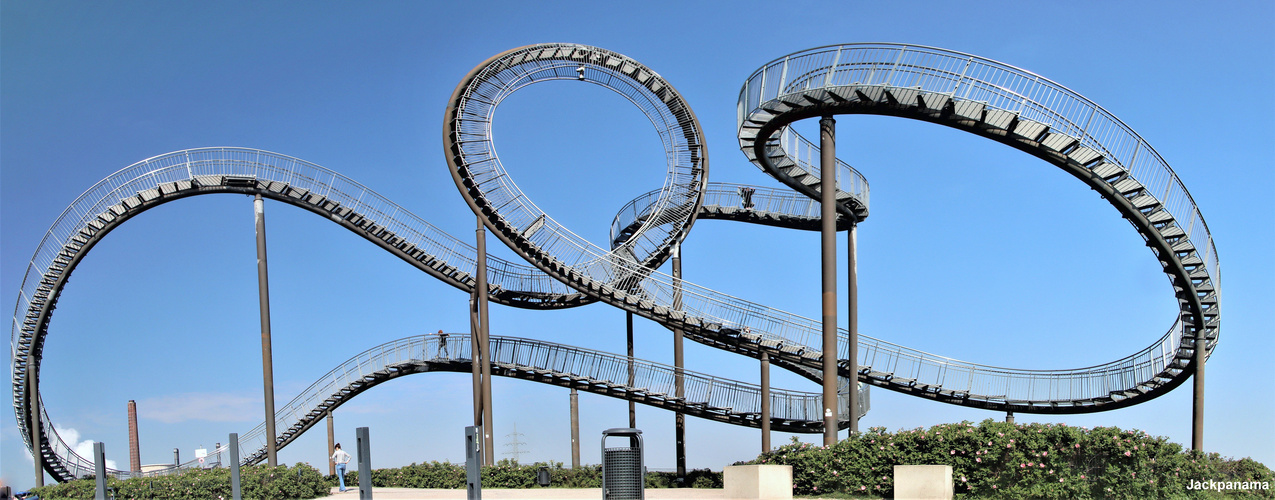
x: 341, y: 458
x: 442, y: 345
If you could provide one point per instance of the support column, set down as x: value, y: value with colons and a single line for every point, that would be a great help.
x: 679, y: 382
x: 33, y: 419
x: 852, y: 237
x: 575, y: 429
x: 628, y: 323
x: 765, y: 402
x: 475, y: 334
x: 331, y: 446
x: 1009, y: 417
x: 267, y: 362
x: 134, y: 449
x: 485, y: 344
x: 1197, y: 399
x: 828, y: 233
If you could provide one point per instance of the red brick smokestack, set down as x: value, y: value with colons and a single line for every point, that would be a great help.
x: 134, y: 454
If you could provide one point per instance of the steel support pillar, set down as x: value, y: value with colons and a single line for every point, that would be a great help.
x: 134, y: 449
x: 475, y: 349
x: 765, y: 402
x: 828, y: 239
x: 484, y: 344
x: 331, y: 445
x: 1197, y: 399
x: 33, y: 420
x: 852, y: 403
x: 575, y: 429
x: 267, y: 362
x: 628, y: 324
x: 679, y: 382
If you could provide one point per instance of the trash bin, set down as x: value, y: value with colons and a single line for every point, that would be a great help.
x: 623, y: 473
x: 542, y: 477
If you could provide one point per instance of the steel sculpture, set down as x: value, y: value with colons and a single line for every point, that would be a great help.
x: 966, y: 92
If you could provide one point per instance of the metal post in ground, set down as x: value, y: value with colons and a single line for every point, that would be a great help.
x: 1009, y: 417
x: 267, y: 362
x: 679, y: 382
x: 828, y: 233
x: 473, y: 463
x: 365, y: 463
x: 235, y: 491
x: 99, y: 470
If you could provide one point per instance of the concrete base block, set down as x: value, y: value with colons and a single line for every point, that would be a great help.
x: 923, y: 482
x: 761, y: 482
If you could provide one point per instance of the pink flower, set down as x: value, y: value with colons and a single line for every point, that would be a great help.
x: 1077, y: 446
x: 1046, y: 454
x: 979, y: 460
x: 1082, y: 476
x: 953, y: 452
x: 963, y: 479
x: 1022, y: 466
x: 861, y: 488
x: 1060, y: 479
x: 1126, y: 453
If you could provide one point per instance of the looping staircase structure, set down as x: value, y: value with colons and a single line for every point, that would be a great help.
x: 965, y: 92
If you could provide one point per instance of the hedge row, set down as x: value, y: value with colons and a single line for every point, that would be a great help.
x: 509, y: 474
x: 257, y: 482
x: 304, y: 482
x: 1004, y: 460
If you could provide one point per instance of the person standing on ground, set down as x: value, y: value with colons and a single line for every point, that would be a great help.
x: 341, y: 458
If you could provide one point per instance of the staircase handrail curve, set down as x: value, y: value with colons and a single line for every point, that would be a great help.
x: 1035, y: 97
x: 764, y: 199
x: 129, y: 183
x: 995, y: 94
x: 508, y: 352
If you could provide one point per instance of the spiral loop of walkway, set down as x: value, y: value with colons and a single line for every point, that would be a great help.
x: 1035, y: 115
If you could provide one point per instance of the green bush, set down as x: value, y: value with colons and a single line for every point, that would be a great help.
x: 1003, y: 460
x: 509, y: 474
x: 256, y: 482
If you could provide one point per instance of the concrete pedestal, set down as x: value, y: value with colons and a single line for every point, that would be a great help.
x: 923, y: 482
x: 761, y: 482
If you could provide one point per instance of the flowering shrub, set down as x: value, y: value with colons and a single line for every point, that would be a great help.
x: 509, y: 474
x: 258, y: 481
x: 1004, y: 460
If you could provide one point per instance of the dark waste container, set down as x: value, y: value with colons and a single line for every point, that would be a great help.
x: 542, y: 476
x: 623, y: 473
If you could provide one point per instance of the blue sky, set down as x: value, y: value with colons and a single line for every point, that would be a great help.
x: 972, y: 251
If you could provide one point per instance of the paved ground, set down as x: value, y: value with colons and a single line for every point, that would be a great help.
x: 529, y: 494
